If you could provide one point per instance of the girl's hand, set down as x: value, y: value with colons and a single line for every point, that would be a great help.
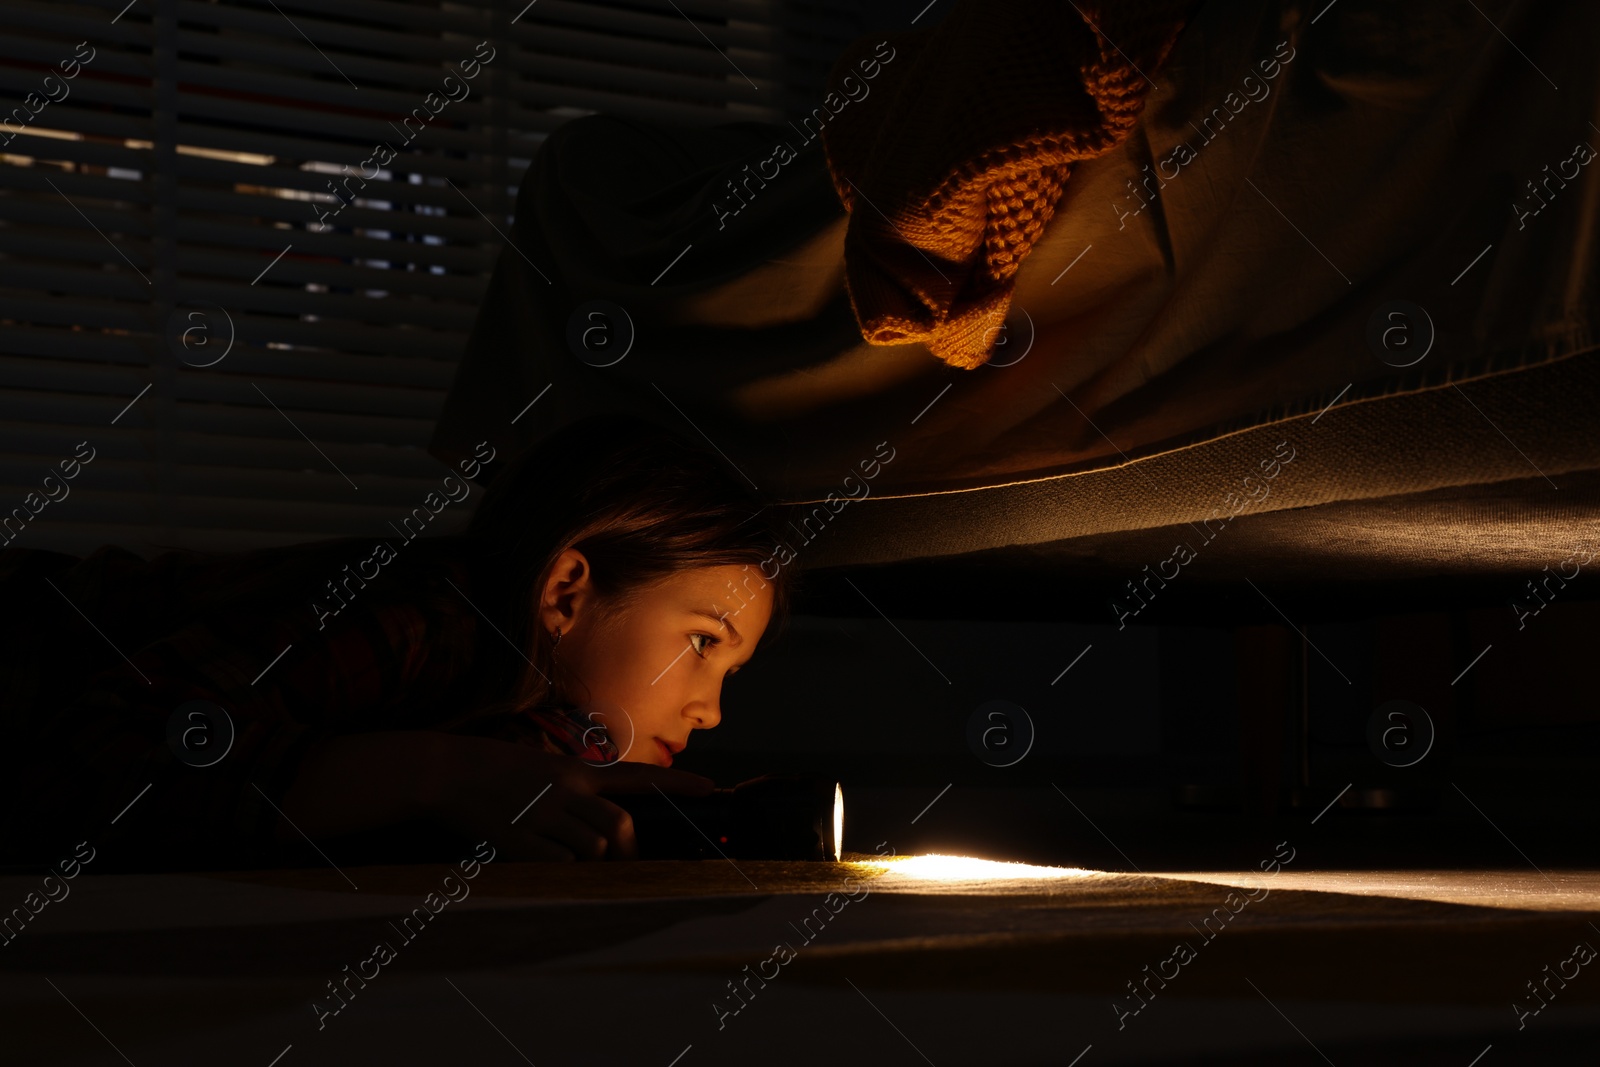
x: 483, y: 788
x: 483, y: 784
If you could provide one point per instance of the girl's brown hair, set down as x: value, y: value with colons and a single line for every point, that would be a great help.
x: 641, y: 503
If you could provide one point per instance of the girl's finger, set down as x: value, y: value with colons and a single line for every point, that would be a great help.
x: 565, y: 828
x: 611, y: 821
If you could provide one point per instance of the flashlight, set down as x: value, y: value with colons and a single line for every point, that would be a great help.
x: 774, y: 817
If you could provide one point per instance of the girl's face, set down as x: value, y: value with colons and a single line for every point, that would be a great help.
x: 651, y: 672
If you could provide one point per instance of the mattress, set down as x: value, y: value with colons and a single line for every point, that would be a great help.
x: 1380, y: 258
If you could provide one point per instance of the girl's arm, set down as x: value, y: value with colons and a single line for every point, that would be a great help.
x: 475, y: 786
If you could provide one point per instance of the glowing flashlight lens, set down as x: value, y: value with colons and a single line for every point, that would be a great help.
x: 837, y: 844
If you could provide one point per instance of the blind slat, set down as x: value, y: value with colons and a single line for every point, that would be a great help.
x: 237, y: 420
x: 74, y: 338
x: 429, y: 362
x: 292, y: 394
x: 20, y: 475
x: 82, y: 538
x: 68, y: 312
x: 350, y: 519
x: 124, y: 284
x: 290, y: 268
x: 54, y: 441
x: 69, y: 346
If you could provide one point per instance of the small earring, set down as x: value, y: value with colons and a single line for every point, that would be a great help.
x: 555, y: 638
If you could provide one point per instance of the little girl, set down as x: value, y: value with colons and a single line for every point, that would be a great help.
x: 279, y: 706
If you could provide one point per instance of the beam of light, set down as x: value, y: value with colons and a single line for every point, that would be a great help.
x: 940, y: 868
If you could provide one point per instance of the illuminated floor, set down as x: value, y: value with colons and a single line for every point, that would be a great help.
x: 908, y: 961
x: 1520, y: 889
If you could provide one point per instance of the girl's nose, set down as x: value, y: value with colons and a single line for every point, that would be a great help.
x: 704, y: 714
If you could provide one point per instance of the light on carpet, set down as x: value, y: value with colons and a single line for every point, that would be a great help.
x: 940, y: 868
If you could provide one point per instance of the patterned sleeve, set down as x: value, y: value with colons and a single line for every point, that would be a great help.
x: 561, y: 732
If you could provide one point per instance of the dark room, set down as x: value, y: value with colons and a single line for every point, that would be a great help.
x: 966, y: 533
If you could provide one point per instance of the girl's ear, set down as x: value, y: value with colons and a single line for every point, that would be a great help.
x: 566, y: 592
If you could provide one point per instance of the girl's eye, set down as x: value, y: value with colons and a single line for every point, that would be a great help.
x: 699, y: 649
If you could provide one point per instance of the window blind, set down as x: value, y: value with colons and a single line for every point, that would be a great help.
x: 222, y: 308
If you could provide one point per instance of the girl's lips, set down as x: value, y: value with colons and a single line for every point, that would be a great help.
x: 666, y: 753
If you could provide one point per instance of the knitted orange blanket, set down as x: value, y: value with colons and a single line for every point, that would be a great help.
x: 952, y: 168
